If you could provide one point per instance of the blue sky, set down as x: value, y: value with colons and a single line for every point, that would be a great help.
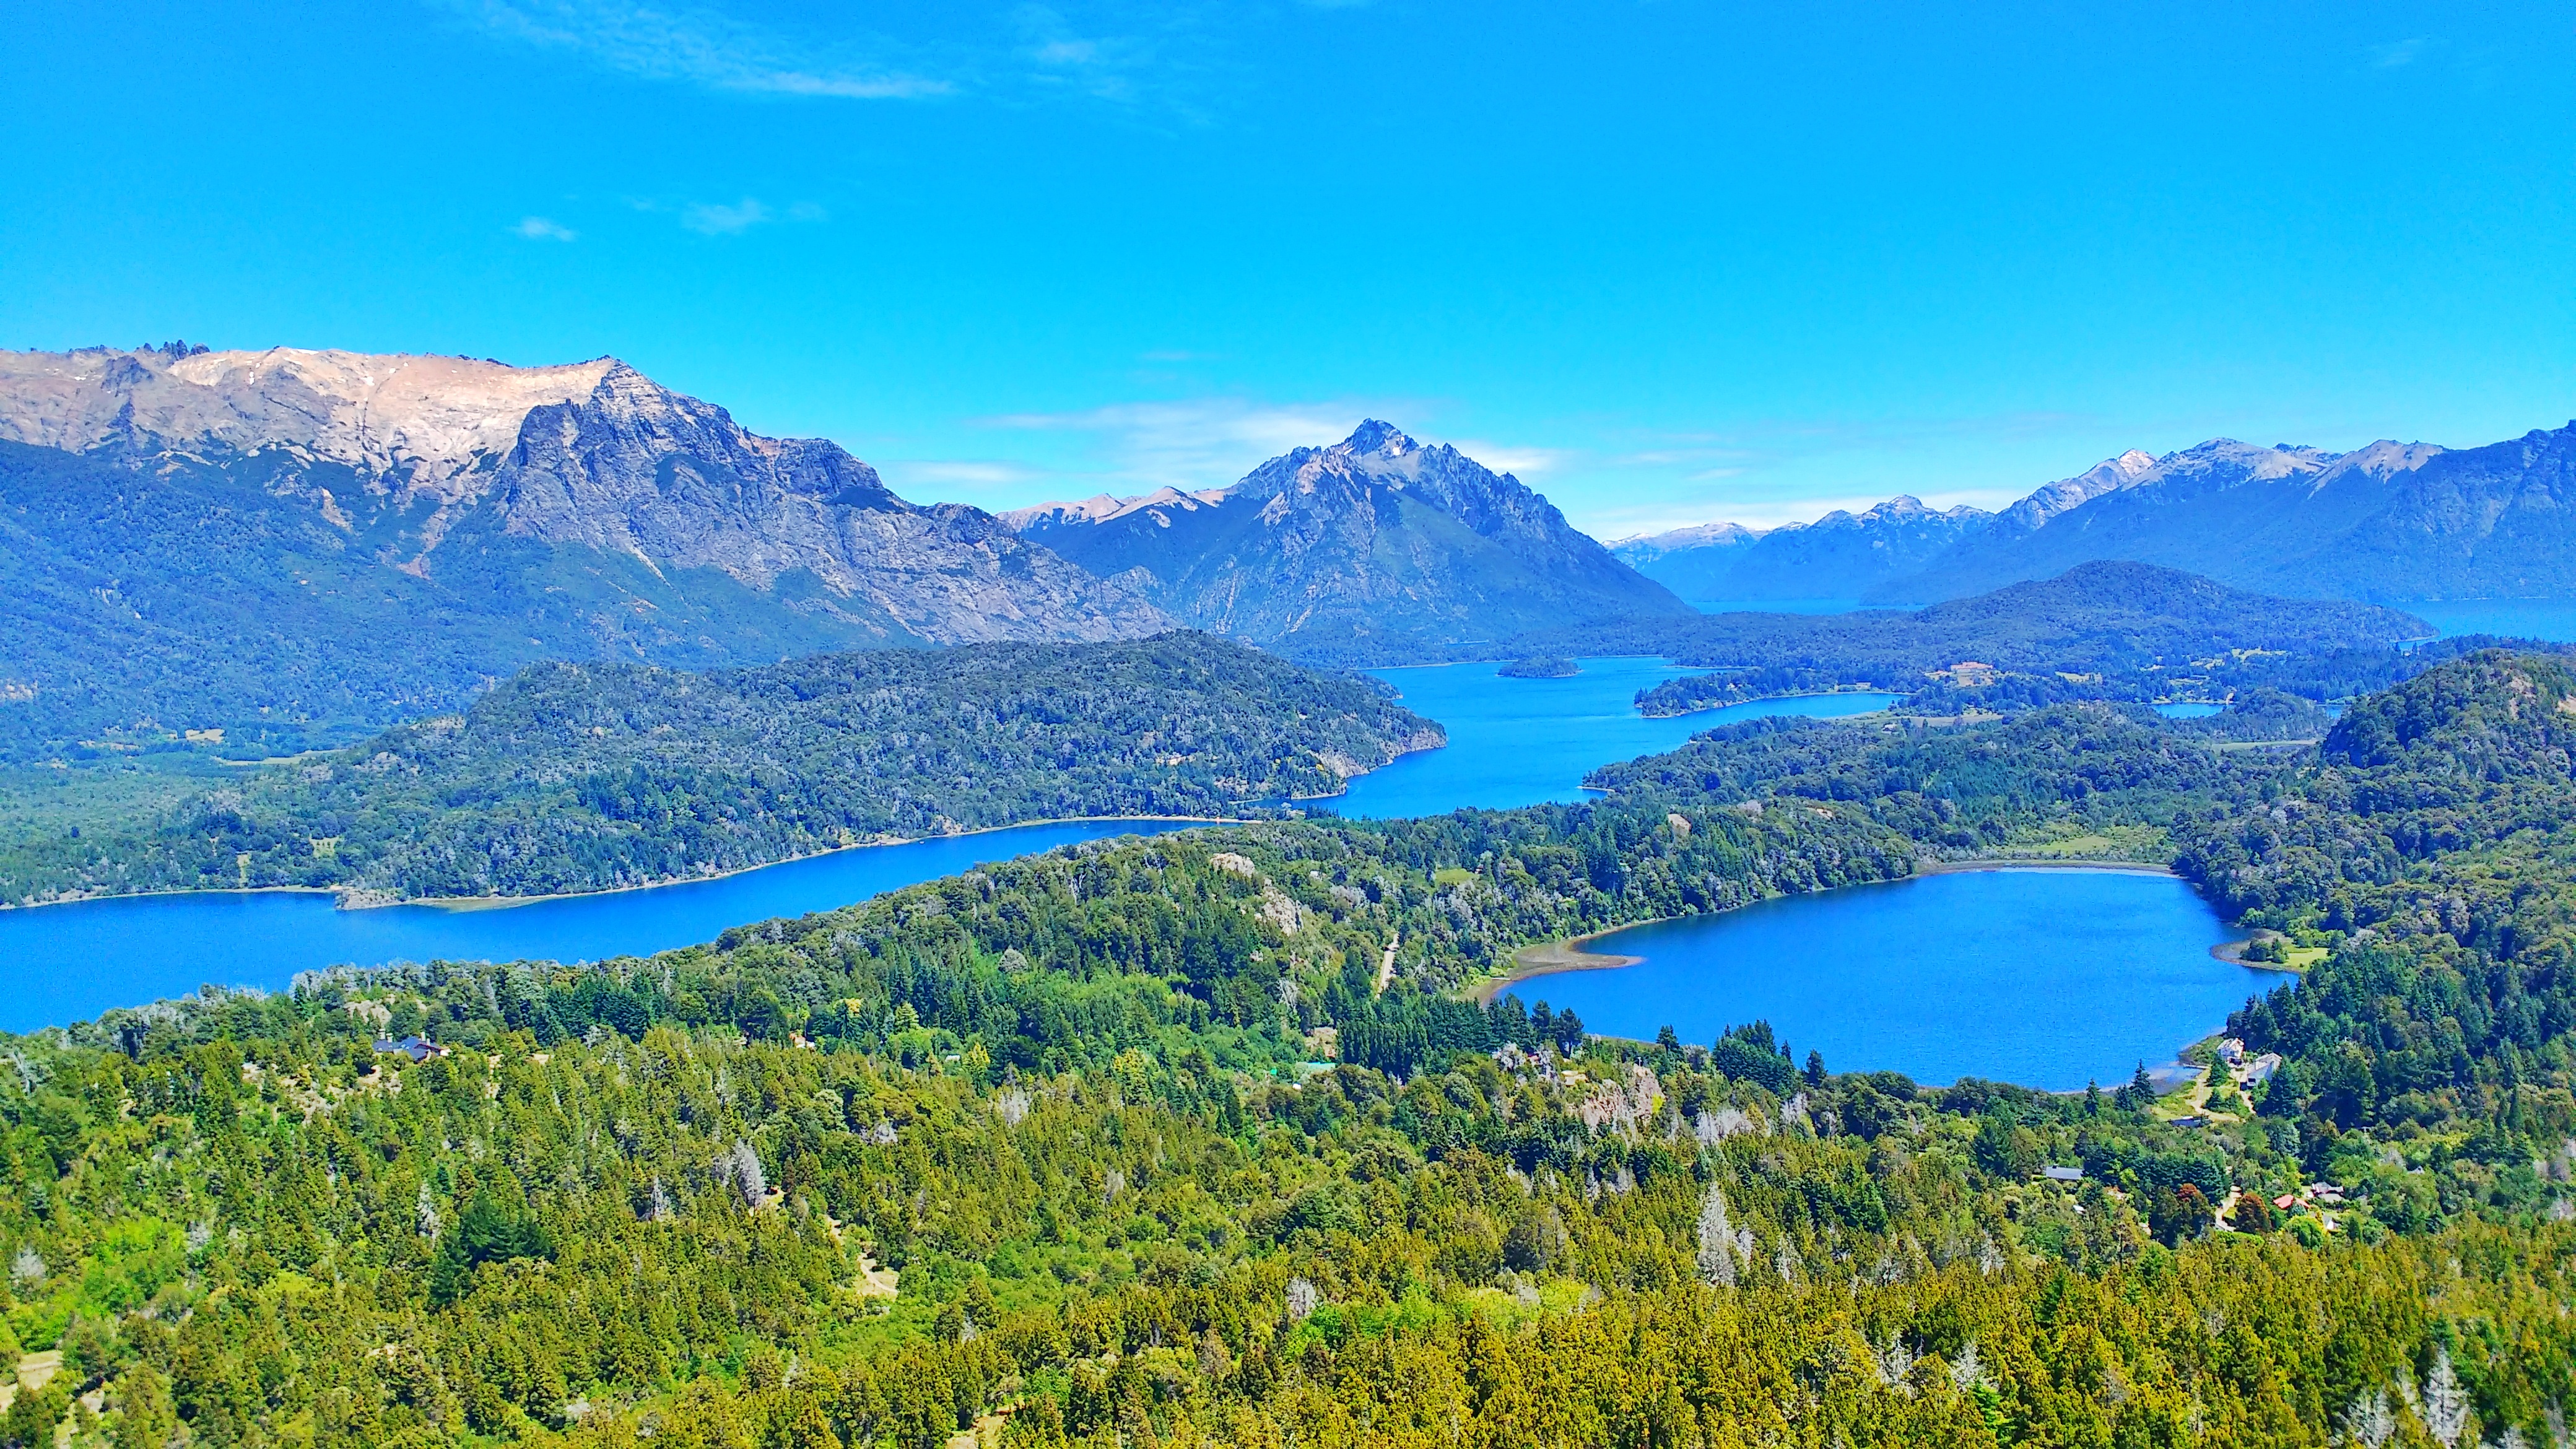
x: 1670, y: 261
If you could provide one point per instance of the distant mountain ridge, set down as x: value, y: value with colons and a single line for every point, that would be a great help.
x: 1839, y: 556
x: 1357, y: 552
x: 2389, y: 522
x: 246, y: 539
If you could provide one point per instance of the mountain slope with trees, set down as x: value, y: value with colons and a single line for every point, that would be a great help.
x: 588, y: 777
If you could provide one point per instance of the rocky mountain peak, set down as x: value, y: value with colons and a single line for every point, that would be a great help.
x: 1381, y: 438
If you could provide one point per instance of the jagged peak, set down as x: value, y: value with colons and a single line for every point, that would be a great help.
x: 1383, y: 438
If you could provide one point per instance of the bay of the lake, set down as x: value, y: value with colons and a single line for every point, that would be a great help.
x: 68, y: 962
x: 1515, y: 742
x: 2048, y: 978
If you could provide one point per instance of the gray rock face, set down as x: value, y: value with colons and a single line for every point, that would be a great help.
x: 1362, y: 550
x: 415, y: 458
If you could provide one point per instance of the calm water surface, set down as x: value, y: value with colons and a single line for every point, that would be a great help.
x: 2553, y: 619
x: 2049, y: 978
x: 1516, y: 742
x: 67, y: 963
x: 1784, y: 606
x: 2189, y: 709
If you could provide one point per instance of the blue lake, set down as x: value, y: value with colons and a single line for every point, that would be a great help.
x: 2048, y: 978
x: 1512, y: 742
x: 1519, y: 742
x: 2552, y: 619
x: 2189, y: 709
x: 70, y: 962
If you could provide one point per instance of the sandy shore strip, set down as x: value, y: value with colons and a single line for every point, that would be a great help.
x: 1551, y: 958
x: 2127, y: 867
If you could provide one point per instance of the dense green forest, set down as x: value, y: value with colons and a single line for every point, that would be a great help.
x: 1049, y: 1138
x: 574, y: 777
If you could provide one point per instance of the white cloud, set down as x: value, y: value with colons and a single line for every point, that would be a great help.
x: 956, y: 473
x: 538, y: 228
x: 700, y: 47
x: 707, y: 219
x: 1102, y: 66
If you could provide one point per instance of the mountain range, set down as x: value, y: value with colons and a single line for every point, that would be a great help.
x: 301, y: 546
x: 2390, y: 522
x: 278, y: 550
x: 1362, y: 551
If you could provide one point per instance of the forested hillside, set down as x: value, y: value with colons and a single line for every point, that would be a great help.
x: 587, y: 777
x: 2097, y: 618
x: 1036, y: 1141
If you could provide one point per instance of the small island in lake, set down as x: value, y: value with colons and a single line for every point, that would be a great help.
x: 1540, y: 666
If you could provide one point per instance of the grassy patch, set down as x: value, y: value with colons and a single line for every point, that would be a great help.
x: 2072, y: 840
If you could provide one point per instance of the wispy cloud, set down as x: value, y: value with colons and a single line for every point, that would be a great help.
x: 709, y: 219
x: 704, y: 47
x: 2398, y: 52
x: 1526, y: 464
x: 1099, y: 65
x: 1202, y: 443
x: 970, y: 474
x: 539, y: 228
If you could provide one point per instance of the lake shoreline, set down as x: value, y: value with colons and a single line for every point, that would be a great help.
x: 2126, y: 867
x: 353, y: 900
x: 1555, y: 958
x: 503, y: 903
x: 1552, y: 958
x: 1895, y: 697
